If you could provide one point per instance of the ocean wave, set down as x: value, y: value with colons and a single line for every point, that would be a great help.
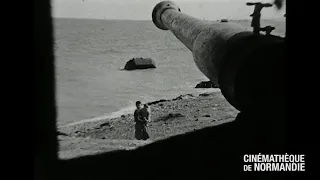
x: 126, y: 110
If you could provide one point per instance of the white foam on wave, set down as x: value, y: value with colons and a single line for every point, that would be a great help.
x: 127, y: 110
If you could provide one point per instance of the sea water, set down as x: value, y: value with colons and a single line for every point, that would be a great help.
x: 89, y: 58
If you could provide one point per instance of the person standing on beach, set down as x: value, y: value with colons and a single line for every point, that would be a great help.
x: 145, y: 114
x: 140, y: 129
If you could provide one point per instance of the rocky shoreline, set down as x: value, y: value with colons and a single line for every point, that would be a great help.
x: 183, y: 114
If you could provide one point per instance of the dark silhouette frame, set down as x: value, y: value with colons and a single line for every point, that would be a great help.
x: 214, y: 152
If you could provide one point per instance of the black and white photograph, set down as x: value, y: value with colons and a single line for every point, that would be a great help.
x: 151, y: 89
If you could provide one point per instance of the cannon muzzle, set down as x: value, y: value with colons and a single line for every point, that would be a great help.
x: 244, y: 65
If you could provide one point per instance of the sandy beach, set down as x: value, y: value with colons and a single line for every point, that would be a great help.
x: 180, y: 115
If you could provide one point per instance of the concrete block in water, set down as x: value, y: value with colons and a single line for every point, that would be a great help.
x: 140, y: 63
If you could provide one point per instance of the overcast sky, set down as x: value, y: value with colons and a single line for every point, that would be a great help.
x: 141, y: 9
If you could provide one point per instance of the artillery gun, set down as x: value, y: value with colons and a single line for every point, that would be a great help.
x: 245, y: 65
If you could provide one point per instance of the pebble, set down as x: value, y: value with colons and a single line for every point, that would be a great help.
x: 179, y: 115
x: 105, y: 124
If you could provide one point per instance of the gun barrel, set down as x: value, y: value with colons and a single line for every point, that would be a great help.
x: 220, y: 50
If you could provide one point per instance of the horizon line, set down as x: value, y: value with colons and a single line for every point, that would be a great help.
x: 88, y: 18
